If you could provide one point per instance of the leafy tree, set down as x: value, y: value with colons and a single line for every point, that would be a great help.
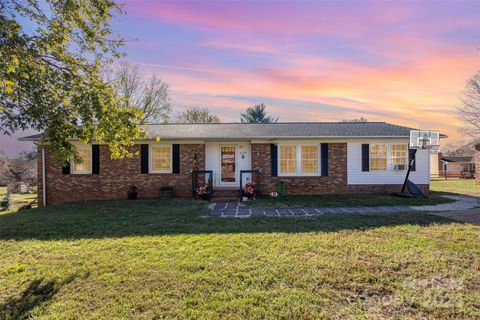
x: 361, y: 119
x: 149, y: 96
x: 52, y: 54
x: 470, y: 110
x: 197, y: 115
x: 256, y: 114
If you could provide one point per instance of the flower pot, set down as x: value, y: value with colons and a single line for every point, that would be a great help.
x: 132, y: 195
x: 166, y: 194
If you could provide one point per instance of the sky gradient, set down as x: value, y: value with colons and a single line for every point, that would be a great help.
x: 400, y: 62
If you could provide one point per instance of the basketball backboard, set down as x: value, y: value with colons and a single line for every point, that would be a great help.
x: 424, y: 139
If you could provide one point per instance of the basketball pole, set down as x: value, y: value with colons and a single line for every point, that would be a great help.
x: 410, y: 164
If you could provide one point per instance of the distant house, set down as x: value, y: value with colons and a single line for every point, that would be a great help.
x: 452, y: 166
x: 300, y: 158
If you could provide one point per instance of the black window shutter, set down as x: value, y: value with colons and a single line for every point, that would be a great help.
x: 274, y: 159
x: 144, y: 158
x: 365, y: 157
x: 95, y: 159
x: 411, y: 156
x: 66, y: 168
x: 175, y: 158
x: 324, y: 158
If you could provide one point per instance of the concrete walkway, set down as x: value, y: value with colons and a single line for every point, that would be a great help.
x: 469, y: 216
x: 240, y: 210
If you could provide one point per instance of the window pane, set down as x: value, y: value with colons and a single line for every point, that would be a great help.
x: 85, y: 153
x: 398, y: 154
x: 378, y: 157
x: 161, y: 158
x: 288, y: 159
x: 309, y: 159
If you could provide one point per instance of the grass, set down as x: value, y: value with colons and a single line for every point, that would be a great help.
x: 354, y: 200
x: 457, y: 186
x: 18, y: 199
x: 165, y: 259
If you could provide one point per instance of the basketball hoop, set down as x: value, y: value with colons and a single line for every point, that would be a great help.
x: 424, y: 139
x: 419, y: 139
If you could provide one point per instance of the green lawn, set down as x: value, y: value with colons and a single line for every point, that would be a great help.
x: 458, y: 186
x: 154, y: 259
x: 351, y: 200
x: 18, y: 199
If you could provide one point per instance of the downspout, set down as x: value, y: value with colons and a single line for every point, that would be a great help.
x: 44, y: 179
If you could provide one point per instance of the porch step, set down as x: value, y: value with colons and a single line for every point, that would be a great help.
x: 225, y: 194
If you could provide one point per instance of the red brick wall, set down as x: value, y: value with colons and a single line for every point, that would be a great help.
x: 335, y: 182
x: 116, y: 176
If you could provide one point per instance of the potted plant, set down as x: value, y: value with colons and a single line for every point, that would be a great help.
x: 203, y: 192
x: 249, y: 191
x: 132, y: 193
x: 166, y: 192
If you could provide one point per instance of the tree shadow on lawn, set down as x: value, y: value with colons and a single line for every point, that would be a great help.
x: 114, y: 219
x: 38, y: 292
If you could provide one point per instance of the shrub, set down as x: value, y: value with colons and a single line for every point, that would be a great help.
x: 6, y: 201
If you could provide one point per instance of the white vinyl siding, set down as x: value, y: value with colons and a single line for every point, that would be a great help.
x: 355, y: 175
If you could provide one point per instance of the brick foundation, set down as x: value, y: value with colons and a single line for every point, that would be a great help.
x: 116, y: 176
x: 383, y: 188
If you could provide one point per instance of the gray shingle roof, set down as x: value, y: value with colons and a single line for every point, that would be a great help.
x: 459, y: 159
x: 287, y: 130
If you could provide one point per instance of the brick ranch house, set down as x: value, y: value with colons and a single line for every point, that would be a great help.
x: 307, y: 158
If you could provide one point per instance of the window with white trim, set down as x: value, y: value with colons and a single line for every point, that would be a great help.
x: 298, y: 160
x: 161, y: 158
x: 288, y: 159
x: 398, y: 154
x: 378, y: 157
x: 84, y: 165
x: 310, y: 159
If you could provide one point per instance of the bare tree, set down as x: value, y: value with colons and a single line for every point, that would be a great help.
x: 197, y: 115
x: 470, y: 110
x: 458, y: 148
x: 137, y: 90
x: 361, y: 119
x: 21, y: 171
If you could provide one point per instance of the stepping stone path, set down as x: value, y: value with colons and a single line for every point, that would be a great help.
x: 240, y: 210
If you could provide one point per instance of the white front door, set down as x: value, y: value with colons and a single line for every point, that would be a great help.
x: 228, y: 165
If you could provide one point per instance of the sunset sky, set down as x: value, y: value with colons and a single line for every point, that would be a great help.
x: 400, y: 62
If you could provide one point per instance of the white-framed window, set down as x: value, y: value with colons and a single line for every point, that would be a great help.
x: 378, y: 157
x: 298, y: 160
x: 85, y: 165
x: 288, y: 160
x: 398, y: 154
x: 160, y: 158
x: 309, y: 159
